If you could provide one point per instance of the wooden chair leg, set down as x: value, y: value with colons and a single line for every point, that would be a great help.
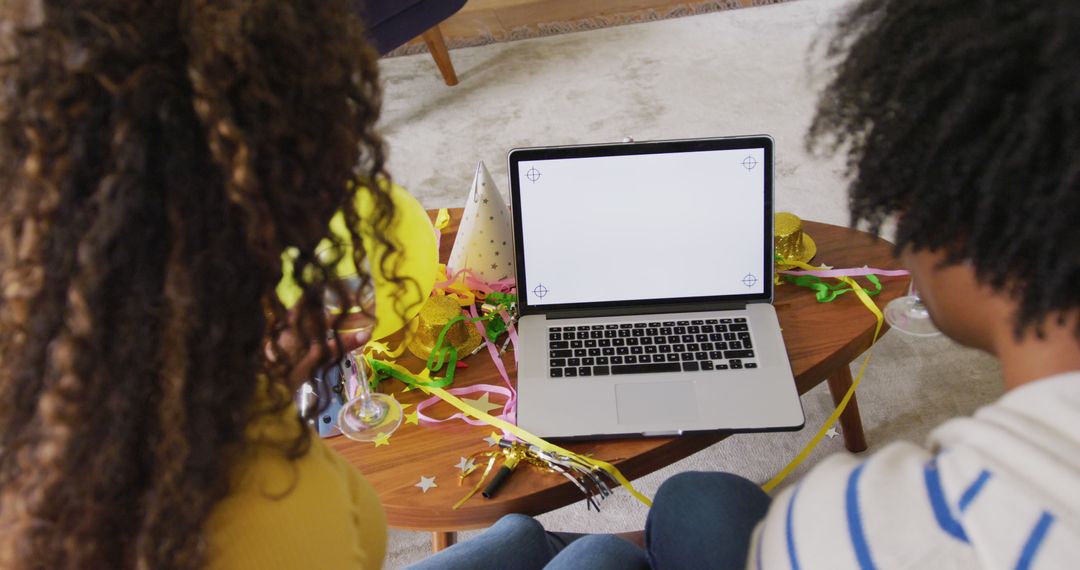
x: 437, y: 46
x: 850, y: 421
x: 442, y: 540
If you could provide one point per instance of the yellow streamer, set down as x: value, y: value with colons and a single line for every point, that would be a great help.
x: 442, y: 219
x: 524, y: 435
x: 779, y: 478
x: 374, y: 347
x: 458, y: 290
x: 491, y: 462
x: 463, y: 294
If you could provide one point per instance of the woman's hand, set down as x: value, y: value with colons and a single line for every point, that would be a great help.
x: 307, y: 359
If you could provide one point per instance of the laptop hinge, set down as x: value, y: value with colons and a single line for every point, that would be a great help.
x: 643, y: 310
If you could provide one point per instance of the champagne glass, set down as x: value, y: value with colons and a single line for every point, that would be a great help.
x: 909, y: 315
x: 366, y: 414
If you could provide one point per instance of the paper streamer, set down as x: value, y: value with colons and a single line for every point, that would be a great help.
x: 522, y: 435
x: 802, y: 455
x: 509, y: 408
x: 512, y: 332
x: 470, y: 280
x: 852, y: 272
x: 486, y: 388
x: 825, y: 292
x: 539, y: 443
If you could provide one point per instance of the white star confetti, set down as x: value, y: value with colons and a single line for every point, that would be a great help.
x: 832, y: 432
x: 426, y: 483
x: 492, y: 440
x: 465, y: 464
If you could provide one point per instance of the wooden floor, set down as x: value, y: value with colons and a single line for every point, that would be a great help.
x: 498, y: 18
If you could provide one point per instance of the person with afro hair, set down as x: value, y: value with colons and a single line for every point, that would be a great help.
x: 960, y: 121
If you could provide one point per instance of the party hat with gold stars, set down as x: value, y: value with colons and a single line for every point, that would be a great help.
x: 485, y: 239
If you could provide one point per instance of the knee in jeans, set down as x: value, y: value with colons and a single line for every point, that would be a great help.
x: 519, y: 524
x: 683, y: 484
x: 591, y: 541
x: 697, y: 486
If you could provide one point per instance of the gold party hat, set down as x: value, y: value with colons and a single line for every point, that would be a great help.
x: 425, y: 328
x: 791, y: 242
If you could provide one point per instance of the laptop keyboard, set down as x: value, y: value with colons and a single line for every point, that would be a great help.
x: 652, y: 346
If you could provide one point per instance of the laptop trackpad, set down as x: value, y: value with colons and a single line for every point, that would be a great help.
x: 656, y: 402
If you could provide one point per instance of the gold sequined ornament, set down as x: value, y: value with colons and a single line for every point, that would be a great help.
x: 791, y: 242
x: 436, y: 312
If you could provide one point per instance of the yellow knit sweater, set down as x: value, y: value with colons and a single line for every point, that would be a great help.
x: 315, y: 512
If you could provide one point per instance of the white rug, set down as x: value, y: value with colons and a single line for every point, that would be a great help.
x: 735, y: 72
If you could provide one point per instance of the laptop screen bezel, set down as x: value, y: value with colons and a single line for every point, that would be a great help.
x: 518, y: 155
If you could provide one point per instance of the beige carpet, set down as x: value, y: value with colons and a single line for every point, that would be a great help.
x: 732, y: 72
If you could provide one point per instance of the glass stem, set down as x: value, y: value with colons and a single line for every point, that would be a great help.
x: 914, y: 293
x: 368, y: 406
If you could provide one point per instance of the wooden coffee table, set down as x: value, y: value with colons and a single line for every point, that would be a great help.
x: 822, y: 340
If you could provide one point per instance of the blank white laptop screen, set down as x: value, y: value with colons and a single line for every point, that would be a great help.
x: 643, y: 227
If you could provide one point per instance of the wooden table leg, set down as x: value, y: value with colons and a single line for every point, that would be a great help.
x: 441, y: 540
x: 437, y: 46
x: 850, y: 422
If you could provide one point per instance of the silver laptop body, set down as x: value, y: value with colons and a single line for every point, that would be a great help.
x: 669, y: 241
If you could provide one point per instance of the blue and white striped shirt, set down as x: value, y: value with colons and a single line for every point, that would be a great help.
x: 1000, y: 489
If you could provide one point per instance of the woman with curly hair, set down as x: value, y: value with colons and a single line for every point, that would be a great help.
x: 156, y: 160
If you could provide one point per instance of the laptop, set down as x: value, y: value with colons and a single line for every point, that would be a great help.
x: 645, y: 281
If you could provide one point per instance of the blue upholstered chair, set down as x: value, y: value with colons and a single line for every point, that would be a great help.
x: 391, y: 23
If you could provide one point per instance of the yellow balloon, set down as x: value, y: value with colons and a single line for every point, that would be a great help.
x: 416, y: 260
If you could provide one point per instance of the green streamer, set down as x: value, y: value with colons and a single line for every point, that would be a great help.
x: 825, y: 292
x: 446, y: 355
x: 384, y: 370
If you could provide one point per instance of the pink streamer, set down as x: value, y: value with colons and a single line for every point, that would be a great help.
x: 488, y: 388
x: 852, y: 272
x: 510, y: 330
x: 475, y: 283
x: 509, y: 408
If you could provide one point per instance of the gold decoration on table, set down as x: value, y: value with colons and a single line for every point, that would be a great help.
x: 791, y: 242
x: 436, y: 312
x: 483, y: 403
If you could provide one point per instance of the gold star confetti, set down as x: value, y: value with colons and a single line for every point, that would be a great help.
x: 403, y: 404
x: 382, y: 439
x: 483, y: 403
x: 413, y: 418
x: 426, y: 483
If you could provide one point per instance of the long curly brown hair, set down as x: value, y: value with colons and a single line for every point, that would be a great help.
x: 156, y: 159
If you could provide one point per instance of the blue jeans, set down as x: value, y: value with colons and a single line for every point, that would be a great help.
x: 698, y: 520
